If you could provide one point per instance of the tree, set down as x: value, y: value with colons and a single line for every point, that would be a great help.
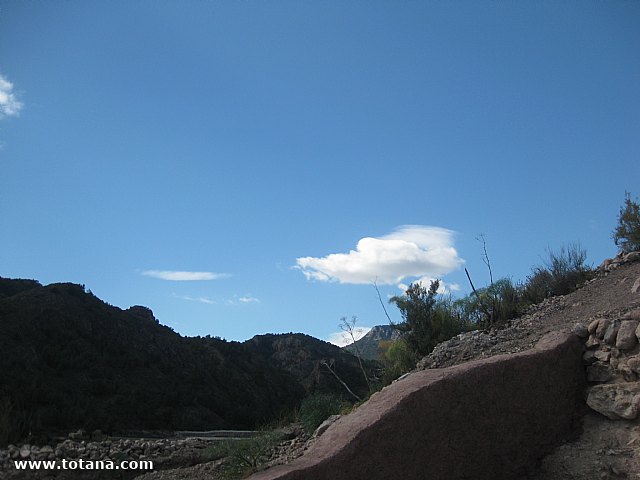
x: 627, y: 233
x: 417, y: 309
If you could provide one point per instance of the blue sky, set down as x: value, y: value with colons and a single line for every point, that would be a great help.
x: 251, y: 167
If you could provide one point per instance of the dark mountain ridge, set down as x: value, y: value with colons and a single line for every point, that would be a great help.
x: 70, y: 360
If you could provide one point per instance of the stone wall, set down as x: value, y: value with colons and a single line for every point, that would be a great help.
x: 490, y: 419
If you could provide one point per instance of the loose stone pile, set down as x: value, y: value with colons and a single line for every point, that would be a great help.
x: 116, y: 450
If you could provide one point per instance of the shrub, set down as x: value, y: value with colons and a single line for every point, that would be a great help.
x: 562, y: 273
x: 627, y: 233
x: 244, y: 456
x: 427, y: 320
x: 397, y: 358
x: 316, y: 408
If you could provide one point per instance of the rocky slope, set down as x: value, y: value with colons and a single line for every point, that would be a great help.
x: 606, y: 313
x: 603, y: 448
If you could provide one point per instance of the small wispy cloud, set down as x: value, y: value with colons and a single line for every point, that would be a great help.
x: 242, y: 300
x: 409, y: 251
x: 10, y: 106
x: 206, y: 300
x: 342, y: 339
x: 248, y: 299
x: 182, y: 276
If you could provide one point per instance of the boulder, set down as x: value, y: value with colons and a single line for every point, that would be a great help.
x: 602, y: 355
x: 632, y: 315
x: 626, y: 338
x: 612, y: 332
x: 589, y: 357
x: 580, y: 330
x: 599, y: 372
x: 636, y: 286
x: 593, y: 341
x: 615, y: 401
x: 603, y: 325
x: 634, y: 363
x: 593, y: 326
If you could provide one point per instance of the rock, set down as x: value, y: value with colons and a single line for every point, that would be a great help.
x: 592, y: 342
x: 602, y: 327
x: 580, y: 330
x: 602, y: 355
x: 599, y: 372
x: 627, y: 373
x: 593, y: 326
x: 631, y: 257
x: 25, y: 451
x: 632, y: 315
x: 636, y: 286
x: 615, y: 401
x: 626, y: 338
x: 79, y: 435
x: 46, y: 449
x: 613, y: 361
x: 325, y: 425
x: 589, y: 357
x: 612, y: 332
x: 634, y: 363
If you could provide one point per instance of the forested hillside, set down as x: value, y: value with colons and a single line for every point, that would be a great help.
x: 70, y: 360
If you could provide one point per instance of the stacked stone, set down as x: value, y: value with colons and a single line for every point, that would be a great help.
x: 613, y: 365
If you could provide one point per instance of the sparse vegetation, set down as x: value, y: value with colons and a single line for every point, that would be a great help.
x: 429, y: 319
x: 315, y: 409
x: 560, y: 274
x: 627, y: 233
x: 397, y: 358
x: 244, y: 456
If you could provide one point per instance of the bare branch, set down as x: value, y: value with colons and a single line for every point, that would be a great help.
x: 326, y: 364
x: 375, y: 285
x: 349, y: 327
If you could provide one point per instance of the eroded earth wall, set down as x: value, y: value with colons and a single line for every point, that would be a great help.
x: 487, y: 419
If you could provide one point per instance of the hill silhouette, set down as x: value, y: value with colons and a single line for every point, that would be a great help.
x: 301, y: 355
x: 70, y: 360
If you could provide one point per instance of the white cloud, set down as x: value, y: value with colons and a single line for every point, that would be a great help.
x: 343, y: 339
x: 10, y: 106
x: 408, y: 252
x: 248, y: 299
x: 206, y: 300
x: 242, y: 300
x: 180, y: 276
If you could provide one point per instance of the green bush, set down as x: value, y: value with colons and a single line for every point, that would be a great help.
x: 316, y: 408
x: 397, y: 358
x: 490, y: 306
x: 427, y: 320
x: 244, y: 456
x: 562, y: 273
x: 627, y: 233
